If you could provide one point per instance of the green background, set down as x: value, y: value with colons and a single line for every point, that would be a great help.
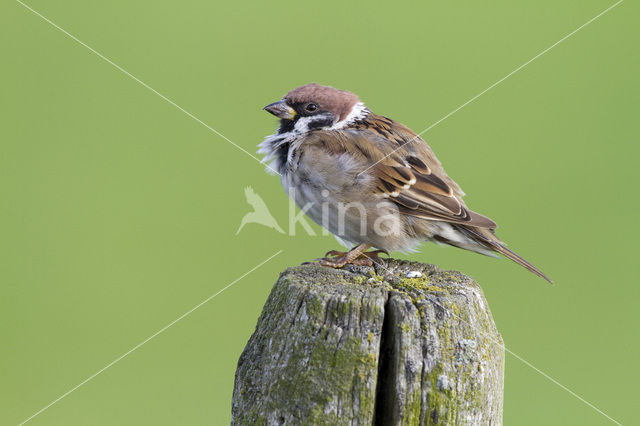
x: 119, y: 212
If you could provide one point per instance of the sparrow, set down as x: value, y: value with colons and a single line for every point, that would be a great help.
x: 370, y: 180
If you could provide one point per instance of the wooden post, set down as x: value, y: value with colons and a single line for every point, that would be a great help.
x: 399, y: 344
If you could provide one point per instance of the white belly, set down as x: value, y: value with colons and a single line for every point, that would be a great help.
x: 338, y: 202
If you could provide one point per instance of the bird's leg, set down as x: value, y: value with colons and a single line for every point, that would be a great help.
x: 353, y: 256
x: 374, y: 255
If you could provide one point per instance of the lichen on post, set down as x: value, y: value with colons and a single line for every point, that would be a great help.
x: 364, y: 346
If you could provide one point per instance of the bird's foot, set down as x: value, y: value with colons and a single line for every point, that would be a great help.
x: 375, y: 254
x: 337, y: 259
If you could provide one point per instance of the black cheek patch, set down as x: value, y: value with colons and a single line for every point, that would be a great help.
x: 320, y: 123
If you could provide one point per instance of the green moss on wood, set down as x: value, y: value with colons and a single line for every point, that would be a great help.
x: 314, y: 358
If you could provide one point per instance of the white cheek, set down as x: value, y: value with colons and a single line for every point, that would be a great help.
x: 302, y: 125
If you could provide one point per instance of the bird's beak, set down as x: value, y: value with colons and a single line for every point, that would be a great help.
x: 281, y: 110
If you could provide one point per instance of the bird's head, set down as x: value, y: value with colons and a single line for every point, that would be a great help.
x: 313, y: 107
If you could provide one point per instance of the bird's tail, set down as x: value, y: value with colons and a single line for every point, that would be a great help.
x: 487, y: 237
x: 520, y: 261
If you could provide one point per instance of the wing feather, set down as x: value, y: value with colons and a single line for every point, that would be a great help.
x: 404, y: 168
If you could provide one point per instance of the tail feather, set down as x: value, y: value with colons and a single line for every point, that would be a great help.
x: 520, y: 261
x: 489, y: 239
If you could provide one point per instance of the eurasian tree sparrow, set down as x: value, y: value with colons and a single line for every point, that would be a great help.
x: 369, y: 180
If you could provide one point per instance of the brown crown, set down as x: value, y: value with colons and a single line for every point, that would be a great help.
x: 339, y: 102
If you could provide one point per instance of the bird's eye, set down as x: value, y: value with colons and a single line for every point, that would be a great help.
x: 311, y: 107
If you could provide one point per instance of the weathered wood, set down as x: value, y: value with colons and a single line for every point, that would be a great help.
x: 366, y: 346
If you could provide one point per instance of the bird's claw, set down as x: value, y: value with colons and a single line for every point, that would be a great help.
x: 375, y: 254
x: 337, y: 259
x: 340, y: 261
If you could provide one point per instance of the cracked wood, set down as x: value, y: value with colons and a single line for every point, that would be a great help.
x: 363, y: 346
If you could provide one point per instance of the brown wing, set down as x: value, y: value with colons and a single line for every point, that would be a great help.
x: 413, y: 186
x: 405, y: 170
